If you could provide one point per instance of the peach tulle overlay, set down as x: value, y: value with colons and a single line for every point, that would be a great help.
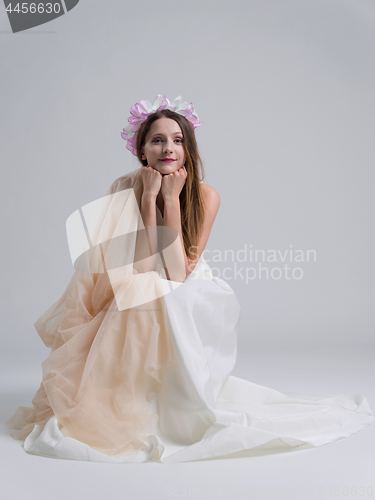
x: 108, y: 334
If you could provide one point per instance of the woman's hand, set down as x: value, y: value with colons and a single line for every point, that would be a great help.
x: 173, y: 183
x: 151, y: 181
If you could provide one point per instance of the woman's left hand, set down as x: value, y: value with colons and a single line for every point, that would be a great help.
x: 172, y: 184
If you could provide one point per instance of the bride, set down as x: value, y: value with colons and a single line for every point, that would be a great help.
x: 144, y: 338
x: 165, y: 143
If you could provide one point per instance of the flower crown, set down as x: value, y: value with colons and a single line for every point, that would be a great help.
x: 142, y: 109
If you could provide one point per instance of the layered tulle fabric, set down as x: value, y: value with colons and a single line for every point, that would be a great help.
x: 131, y: 379
x: 108, y: 335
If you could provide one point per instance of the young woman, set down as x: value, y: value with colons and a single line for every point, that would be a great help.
x: 144, y: 338
x: 167, y: 148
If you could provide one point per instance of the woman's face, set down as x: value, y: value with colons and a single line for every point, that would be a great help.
x: 164, y: 141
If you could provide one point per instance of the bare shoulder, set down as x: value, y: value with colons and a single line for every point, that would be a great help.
x: 124, y: 182
x: 212, y: 198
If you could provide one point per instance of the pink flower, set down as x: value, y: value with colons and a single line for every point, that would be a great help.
x: 142, y: 109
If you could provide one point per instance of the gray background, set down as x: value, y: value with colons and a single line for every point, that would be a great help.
x: 285, y: 93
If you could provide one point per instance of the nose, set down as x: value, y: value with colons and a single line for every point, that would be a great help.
x: 168, y: 146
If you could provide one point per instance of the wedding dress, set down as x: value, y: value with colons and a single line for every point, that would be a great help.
x: 140, y: 366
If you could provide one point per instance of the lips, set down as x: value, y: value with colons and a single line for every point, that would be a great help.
x: 168, y: 160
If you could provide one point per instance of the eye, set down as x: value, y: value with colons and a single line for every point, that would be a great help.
x: 156, y: 140
x: 179, y: 141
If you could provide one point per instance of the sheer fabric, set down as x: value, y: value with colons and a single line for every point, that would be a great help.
x: 106, y: 363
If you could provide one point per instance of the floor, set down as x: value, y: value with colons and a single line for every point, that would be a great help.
x: 344, y: 469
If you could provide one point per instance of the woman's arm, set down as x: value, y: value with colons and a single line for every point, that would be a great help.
x: 174, y: 255
x: 212, y: 201
x: 146, y: 253
x: 146, y: 248
x: 178, y: 264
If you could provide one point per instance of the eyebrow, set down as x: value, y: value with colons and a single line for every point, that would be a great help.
x: 160, y: 133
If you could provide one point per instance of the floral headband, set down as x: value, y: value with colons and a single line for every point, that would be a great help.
x: 142, y: 109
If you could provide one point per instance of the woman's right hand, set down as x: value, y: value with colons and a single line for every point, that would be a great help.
x: 151, y: 181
